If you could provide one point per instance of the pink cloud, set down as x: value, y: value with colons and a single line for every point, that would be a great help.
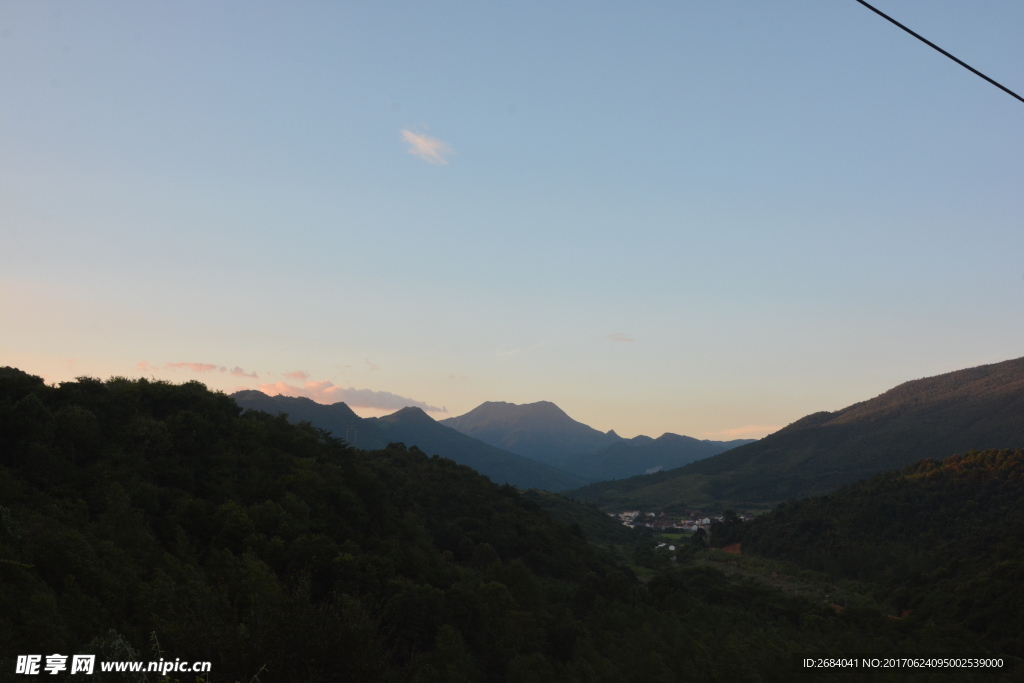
x: 322, y: 392
x: 201, y: 368
x: 327, y: 392
x: 431, y: 150
x: 298, y: 374
x: 195, y: 367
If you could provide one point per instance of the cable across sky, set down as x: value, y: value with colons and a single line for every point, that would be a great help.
x: 933, y: 45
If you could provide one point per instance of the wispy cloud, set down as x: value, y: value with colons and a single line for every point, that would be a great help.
x: 327, y: 392
x: 620, y: 337
x: 748, y: 432
x: 431, y: 150
x: 297, y: 374
x: 194, y: 367
x: 509, y: 352
x: 370, y: 364
x: 200, y: 368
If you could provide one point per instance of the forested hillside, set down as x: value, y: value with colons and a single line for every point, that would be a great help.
x: 138, y: 515
x: 938, y: 540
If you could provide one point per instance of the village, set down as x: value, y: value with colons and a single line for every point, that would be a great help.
x: 673, y: 530
x: 664, y: 523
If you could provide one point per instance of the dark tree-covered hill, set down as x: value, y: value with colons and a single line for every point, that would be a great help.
x: 940, y: 540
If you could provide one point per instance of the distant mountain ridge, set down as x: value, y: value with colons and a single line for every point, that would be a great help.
x: 543, y: 431
x: 975, y: 408
x: 640, y: 454
x: 337, y: 418
x: 413, y: 427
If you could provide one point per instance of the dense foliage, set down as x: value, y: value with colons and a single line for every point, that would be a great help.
x: 938, y: 540
x: 137, y: 515
x: 596, y: 525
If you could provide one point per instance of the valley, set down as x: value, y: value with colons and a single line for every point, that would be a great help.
x: 131, y: 508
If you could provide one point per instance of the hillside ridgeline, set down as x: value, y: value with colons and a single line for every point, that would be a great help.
x: 977, y: 408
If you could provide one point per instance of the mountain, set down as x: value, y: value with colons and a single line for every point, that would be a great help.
x: 544, y: 432
x: 541, y: 431
x: 630, y: 457
x: 413, y: 427
x: 976, y: 408
x: 337, y: 418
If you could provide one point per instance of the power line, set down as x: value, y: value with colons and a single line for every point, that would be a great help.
x: 931, y: 44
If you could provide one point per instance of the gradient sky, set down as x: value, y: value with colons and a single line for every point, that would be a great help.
x: 709, y: 218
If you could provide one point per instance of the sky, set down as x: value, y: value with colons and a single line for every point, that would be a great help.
x: 706, y: 218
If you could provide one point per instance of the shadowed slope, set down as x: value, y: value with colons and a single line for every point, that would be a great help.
x: 976, y: 408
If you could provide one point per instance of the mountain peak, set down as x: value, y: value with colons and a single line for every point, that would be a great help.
x: 539, y: 430
x: 410, y: 415
x: 505, y: 410
x: 247, y: 393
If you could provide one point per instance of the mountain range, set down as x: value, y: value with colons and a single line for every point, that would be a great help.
x: 413, y: 427
x: 644, y: 455
x: 542, y: 431
x: 976, y: 408
x: 535, y: 445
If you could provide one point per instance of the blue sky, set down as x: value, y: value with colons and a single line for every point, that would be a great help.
x: 704, y: 218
